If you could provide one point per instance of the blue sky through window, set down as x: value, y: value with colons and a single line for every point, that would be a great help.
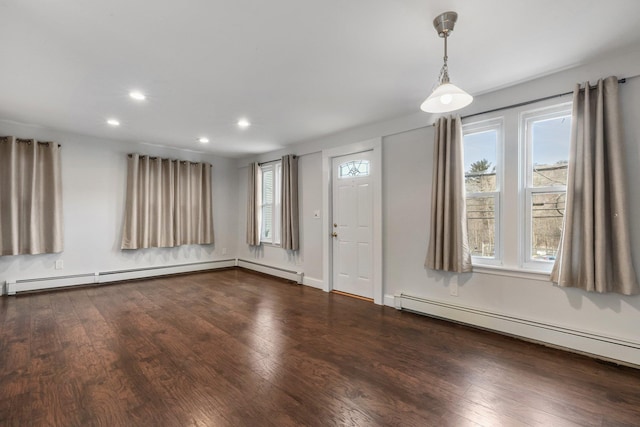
x: 478, y: 146
x: 551, y: 141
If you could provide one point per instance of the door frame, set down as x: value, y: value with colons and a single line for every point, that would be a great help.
x: 374, y: 145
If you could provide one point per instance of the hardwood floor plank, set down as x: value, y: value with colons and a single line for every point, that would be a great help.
x: 552, y: 396
x: 77, y: 347
x: 15, y: 410
x: 15, y: 348
x: 235, y: 348
x: 518, y: 408
x: 451, y: 419
x: 46, y: 365
x: 483, y: 415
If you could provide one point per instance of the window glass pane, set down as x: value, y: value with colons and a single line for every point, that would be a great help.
x: 547, y: 213
x: 481, y: 226
x: 267, y: 204
x: 267, y: 187
x: 550, y: 151
x: 480, y: 161
x: 267, y: 221
x: 354, y: 168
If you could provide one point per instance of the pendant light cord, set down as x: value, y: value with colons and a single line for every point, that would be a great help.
x: 444, y: 72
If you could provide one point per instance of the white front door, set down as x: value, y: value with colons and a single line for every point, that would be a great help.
x: 352, y: 223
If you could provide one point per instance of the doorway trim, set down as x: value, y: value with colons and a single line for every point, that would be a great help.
x: 374, y: 145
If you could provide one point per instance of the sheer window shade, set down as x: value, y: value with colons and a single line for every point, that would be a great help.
x: 30, y: 197
x: 168, y: 203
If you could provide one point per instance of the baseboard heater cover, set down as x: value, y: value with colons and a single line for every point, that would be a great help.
x: 43, y: 283
x: 595, y: 344
x: 295, y: 276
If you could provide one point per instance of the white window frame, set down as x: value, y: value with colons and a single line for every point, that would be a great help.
x: 513, y: 213
x: 276, y: 208
x: 496, y: 124
x: 526, y: 119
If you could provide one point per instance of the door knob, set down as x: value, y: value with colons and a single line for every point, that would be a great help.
x: 334, y: 234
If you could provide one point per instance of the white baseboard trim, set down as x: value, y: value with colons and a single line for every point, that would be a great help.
x: 43, y: 283
x: 283, y: 273
x: 14, y: 286
x: 115, y: 276
x: 390, y: 301
x: 595, y: 344
x: 314, y: 283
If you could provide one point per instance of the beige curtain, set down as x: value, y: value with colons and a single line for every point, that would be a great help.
x: 290, y: 238
x: 448, y: 243
x: 193, y: 204
x: 254, y: 198
x: 595, y: 250
x: 30, y: 197
x: 168, y: 203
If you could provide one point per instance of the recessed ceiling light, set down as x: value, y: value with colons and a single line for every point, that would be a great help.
x: 113, y: 122
x: 243, y: 123
x: 203, y: 139
x: 137, y: 95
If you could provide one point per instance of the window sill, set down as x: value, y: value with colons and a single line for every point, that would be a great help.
x: 272, y: 245
x: 521, y: 273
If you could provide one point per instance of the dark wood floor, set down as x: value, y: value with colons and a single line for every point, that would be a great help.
x: 234, y: 348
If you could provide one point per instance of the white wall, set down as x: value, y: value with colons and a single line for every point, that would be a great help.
x: 407, y: 165
x: 94, y: 173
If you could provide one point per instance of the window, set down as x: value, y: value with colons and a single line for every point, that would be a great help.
x: 270, y: 204
x: 516, y: 165
x: 546, y: 136
x: 482, y: 142
x: 354, y: 168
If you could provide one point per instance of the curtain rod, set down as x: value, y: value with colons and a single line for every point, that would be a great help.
x: 130, y: 155
x: 276, y: 160
x: 544, y: 98
x: 28, y: 141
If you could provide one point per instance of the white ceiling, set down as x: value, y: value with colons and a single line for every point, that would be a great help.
x: 297, y: 69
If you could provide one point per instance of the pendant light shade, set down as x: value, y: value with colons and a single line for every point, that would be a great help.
x: 446, y: 97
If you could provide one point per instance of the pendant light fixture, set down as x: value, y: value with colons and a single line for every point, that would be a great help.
x: 446, y: 97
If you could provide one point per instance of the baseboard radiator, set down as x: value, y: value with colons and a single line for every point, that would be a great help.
x: 605, y: 347
x: 42, y: 283
x: 295, y: 276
